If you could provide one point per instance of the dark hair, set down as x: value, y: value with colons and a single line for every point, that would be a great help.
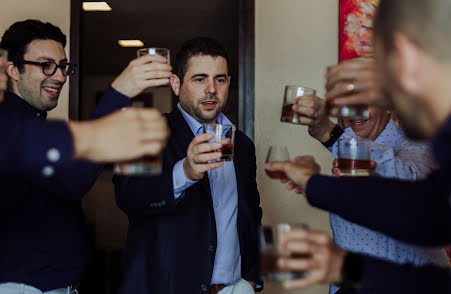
x: 16, y: 39
x: 195, y: 47
x: 424, y: 22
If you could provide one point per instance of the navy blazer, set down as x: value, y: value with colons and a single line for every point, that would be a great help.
x: 171, y: 244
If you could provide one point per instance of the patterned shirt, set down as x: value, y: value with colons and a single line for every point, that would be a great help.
x: 396, y: 157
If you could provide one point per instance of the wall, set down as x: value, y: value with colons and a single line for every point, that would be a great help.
x: 54, y: 11
x: 295, y: 41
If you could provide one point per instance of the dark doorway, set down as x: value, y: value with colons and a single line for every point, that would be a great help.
x: 95, y: 48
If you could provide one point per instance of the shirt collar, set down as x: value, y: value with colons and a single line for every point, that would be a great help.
x: 195, y: 126
x: 19, y: 104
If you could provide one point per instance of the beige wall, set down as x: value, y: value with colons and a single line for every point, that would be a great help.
x: 54, y: 11
x: 295, y: 41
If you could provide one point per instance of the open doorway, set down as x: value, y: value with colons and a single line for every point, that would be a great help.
x: 94, y: 46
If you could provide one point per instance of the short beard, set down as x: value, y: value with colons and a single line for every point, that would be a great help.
x: 199, y: 115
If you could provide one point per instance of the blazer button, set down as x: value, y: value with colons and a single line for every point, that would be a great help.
x: 203, y: 287
x: 211, y: 248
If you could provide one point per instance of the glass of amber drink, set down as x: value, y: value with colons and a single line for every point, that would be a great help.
x: 354, y: 157
x: 276, y: 153
x: 289, y: 99
x: 224, y: 134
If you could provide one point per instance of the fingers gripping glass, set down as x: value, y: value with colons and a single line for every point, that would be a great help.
x: 49, y: 68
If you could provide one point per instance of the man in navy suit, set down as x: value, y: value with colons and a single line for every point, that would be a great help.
x: 412, y: 40
x: 194, y: 228
x: 44, y: 246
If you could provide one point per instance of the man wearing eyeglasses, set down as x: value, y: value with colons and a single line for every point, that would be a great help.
x: 44, y: 247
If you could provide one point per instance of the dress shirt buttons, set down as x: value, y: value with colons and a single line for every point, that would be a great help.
x: 38, y: 114
x: 349, y: 230
x: 204, y: 287
x: 211, y: 248
x: 48, y: 171
x: 216, y: 204
x: 216, y: 174
x: 53, y: 155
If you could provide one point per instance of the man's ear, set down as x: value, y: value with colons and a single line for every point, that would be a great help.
x: 175, y: 84
x: 410, y: 58
x: 12, y: 71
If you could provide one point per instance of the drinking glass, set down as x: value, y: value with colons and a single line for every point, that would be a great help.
x: 270, y: 251
x: 224, y: 134
x: 354, y: 157
x: 276, y: 153
x: 155, y: 51
x: 289, y: 99
x: 359, y: 111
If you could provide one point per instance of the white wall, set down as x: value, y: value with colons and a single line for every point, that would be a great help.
x: 55, y: 11
x: 295, y: 41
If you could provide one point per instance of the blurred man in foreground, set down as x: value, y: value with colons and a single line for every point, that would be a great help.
x: 412, y: 48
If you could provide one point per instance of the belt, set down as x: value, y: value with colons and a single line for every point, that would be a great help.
x: 215, y: 288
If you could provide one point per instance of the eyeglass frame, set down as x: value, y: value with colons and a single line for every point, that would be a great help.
x: 43, y: 64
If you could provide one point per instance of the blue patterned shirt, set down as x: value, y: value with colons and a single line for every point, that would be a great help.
x: 396, y: 157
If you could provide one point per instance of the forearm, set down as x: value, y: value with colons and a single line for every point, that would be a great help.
x: 417, y: 213
x: 385, y: 277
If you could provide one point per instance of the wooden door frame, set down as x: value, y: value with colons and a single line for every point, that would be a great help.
x: 74, y: 81
x: 246, y: 70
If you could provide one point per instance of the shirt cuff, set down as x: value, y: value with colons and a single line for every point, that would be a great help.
x: 180, y: 181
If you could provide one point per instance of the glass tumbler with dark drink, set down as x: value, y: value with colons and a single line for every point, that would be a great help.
x: 276, y: 153
x: 146, y: 165
x: 358, y: 111
x: 270, y: 251
x: 289, y: 99
x: 224, y: 134
x: 354, y: 157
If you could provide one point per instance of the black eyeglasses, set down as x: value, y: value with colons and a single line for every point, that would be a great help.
x: 49, y: 68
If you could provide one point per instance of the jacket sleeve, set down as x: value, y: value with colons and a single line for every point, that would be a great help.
x: 389, y: 278
x: 25, y: 145
x: 147, y: 196
x: 413, y: 212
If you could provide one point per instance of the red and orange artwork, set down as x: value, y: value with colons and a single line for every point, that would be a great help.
x: 356, y: 28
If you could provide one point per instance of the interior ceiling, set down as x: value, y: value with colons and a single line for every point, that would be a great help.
x: 158, y: 24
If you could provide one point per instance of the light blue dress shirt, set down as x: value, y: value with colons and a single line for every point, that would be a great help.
x: 396, y: 157
x: 227, y: 267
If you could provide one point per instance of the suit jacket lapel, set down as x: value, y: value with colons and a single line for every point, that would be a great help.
x: 239, y: 162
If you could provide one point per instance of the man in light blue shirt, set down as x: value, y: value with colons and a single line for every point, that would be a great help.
x: 194, y: 228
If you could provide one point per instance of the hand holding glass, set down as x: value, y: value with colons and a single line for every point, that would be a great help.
x: 289, y: 99
x: 147, y: 165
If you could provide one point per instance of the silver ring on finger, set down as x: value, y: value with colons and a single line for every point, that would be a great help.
x: 350, y: 87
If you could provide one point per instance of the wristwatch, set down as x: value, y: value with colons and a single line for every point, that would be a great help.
x: 337, y: 131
